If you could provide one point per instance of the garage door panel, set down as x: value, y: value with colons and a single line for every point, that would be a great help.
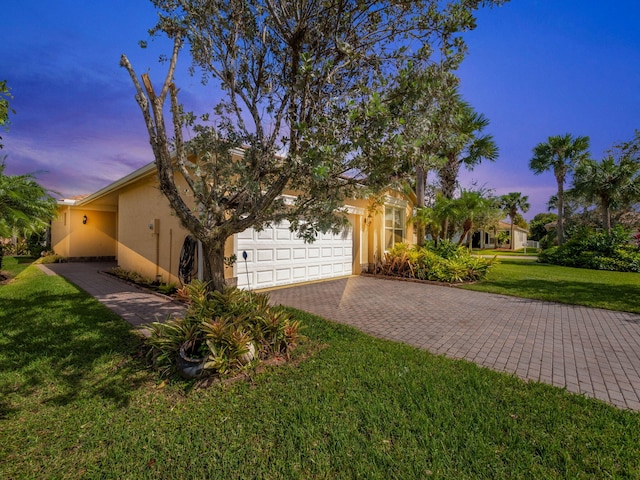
x: 264, y: 277
x: 276, y: 256
x: 283, y: 234
x: 265, y: 255
x: 283, y: 274
x: 283, y: 254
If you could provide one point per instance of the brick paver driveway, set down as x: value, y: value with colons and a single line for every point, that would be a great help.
x: 590, y: 351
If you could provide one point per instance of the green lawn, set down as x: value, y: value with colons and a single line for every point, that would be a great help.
x: 15, y: 265
x: 76, y: 401
x: 530, y: 252
x: 577, y: 286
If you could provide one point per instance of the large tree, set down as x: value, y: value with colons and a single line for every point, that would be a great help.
x: 512, y: 203
x: 560, y: 153
x: 299, y: 78
x: 611, y: 183
x: 423, y: 105
x: 467, y: 146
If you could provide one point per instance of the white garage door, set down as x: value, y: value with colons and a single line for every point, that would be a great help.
x: 276, y: 256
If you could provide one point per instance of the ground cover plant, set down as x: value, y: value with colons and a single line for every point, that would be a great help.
x: 221, y: 333
x: 596, y: 250
x: 576, y: 286
x: 142, y: 281
x: 77, y: 401
x: 444, y: 262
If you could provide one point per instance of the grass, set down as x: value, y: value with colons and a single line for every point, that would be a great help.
x: 14, y: 265
x: 530, y: 252
x: 576, y: 286
x: 78, y: 402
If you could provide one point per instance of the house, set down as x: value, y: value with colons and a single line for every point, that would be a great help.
x: 131, y: 222
x: 487, y: 238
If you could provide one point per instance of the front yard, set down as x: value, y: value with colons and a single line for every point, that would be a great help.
x: 577, y: 286
x: 77, y: 401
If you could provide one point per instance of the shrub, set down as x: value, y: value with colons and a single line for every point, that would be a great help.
x: 446, y: 262
x: 595, y: 250
x: 221, y: 331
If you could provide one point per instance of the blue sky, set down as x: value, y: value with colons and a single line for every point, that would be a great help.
x: 535, y: 68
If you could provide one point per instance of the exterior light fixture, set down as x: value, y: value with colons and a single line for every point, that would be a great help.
x: 84, y: 220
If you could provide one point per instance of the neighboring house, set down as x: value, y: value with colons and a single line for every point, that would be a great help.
x: 487, y: 238
x: 131, y: 222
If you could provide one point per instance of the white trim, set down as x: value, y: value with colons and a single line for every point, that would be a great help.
x: 395, y: 202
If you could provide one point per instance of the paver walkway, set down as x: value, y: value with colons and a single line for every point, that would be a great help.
x: 135, y: 305
x: 590, y: 351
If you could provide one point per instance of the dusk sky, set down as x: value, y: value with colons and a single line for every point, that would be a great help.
x: 535, y: 68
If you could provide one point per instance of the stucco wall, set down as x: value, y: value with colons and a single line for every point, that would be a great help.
x: 97, y: 238
x: 150, y: 236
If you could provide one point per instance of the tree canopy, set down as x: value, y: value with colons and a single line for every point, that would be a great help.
x: 560, y: 154
x: 5, y: 109
x: 512, y: 203
x: 467, y: 146
x: 25, y: 206
x: 302, y: 81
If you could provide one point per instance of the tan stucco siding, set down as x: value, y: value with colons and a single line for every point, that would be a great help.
x: 94, y: 239
x: 60, y: 232
x: 150, y: 235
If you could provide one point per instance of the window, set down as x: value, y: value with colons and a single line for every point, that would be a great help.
x: 393, y: 226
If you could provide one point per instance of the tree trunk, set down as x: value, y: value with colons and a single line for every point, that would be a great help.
x: 213, y: 263
x: 559, y: 226
x: 420, y: 194
x: 606, y: 217
x: 513, y: 243
x: 448, y: 176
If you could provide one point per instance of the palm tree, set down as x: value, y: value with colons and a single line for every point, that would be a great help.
x: 470, y: 205
x: 608, y: 183
x: 25, y: 206
x: 560, y: 153
x: 466, y: 147
x: 512, y: 203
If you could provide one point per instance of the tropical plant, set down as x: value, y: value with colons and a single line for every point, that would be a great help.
x: 25, y: 206
x: 608, y: 183
x: 538, y: 229
x: 503, y: 238
x: 467, y: 146
x: 222, y: 331
x: 446, y: 262
x: 470, y: 206
x: 598, y: 250
x: 304, y: 78
x: 512, y: 203
x: 560, y: 154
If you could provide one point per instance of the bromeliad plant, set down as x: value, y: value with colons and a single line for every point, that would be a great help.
x: 445, y: 262
x: 221, y: 332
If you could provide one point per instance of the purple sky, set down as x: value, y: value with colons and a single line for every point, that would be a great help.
x: 536, y: 68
